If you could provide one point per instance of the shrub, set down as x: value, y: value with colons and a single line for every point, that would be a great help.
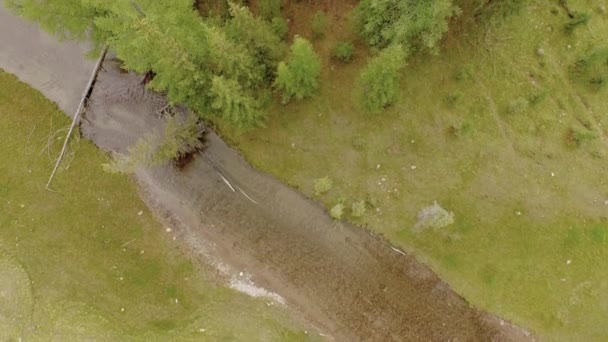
x: 577, y: 19
x: 299, y: 76
x: 319, y: 23
x: 379, y: 81
x: 337, y: 211
x: 269, y: 9
x: 518, y: 105
x: 343, y: 51
x: 358, y: 208
x: 280, y: 27
x: 485, y: 10
x: 322, y: 185
x: 359, y: 143
x: 592, y: 69
x: 578, y: 138
x: 180, y: 138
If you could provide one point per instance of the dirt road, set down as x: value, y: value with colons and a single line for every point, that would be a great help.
x: 337, y: 277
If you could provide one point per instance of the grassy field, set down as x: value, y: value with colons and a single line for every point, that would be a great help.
x: 90, y: 262
x: 495, y: 130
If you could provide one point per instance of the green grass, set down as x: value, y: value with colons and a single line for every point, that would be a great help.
x: 485, y: 128
x: 71, y: 261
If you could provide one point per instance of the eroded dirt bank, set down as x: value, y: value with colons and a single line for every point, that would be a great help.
x: 339, y: 278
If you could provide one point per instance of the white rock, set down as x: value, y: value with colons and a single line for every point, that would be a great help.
x: 139, y: 213
x: 568, y: 262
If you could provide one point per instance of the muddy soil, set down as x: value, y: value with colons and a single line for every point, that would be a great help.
x: 340, y: 279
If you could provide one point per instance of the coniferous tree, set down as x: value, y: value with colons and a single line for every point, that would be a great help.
x: 299, y: 76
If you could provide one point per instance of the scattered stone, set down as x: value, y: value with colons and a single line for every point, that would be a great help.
x: 552, y: 174
x: 240, y: 274
x: 518, y: 213
x: 433, y: 217
x: 202, y: 330
x: 378, y: 167
x: 606, y: 202
x: 22, y: 205
x: 413, y: 167
x: 568, y: 262
x: 122, y: 309
x: 168, y: 230
x: 563, y: 280
x: 540, y: 52
x: 602, y: 9
x: 139, y: 213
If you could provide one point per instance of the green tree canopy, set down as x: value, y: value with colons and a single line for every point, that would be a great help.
x: 379, y: 81
x: 415, y: 24
x: 194, y: 59
x: 299, y: 77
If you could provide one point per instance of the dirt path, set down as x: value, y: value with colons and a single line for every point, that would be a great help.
x: 337, y: 277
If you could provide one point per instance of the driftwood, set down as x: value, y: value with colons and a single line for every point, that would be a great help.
x: 77, y: 114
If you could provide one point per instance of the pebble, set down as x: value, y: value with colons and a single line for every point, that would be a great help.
x: 168, y: 230
x: 240, y: 274
x: 202, y: 330
x: 122, y: 309
x: 518, y: 213
x: 606, y: 202
x: 568, y: 262
x: 378, y: 167
x: 139, y: 213
x: 602, y: 9
x: 552, y: 174
x: 413, y: 167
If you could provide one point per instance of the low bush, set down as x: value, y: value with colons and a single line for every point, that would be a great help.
x: 280, y: 27
x: 358, y: 209
x: 322, y: 185
x: 343, y: 51
x: 319, y: 24
x: 578, y: 19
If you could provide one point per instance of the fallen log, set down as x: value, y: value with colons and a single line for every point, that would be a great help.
x: 78, y: 111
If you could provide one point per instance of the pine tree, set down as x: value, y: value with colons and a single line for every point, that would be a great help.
x: 379, y: 81
x: 414, y: 24
x: 299, y: 76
